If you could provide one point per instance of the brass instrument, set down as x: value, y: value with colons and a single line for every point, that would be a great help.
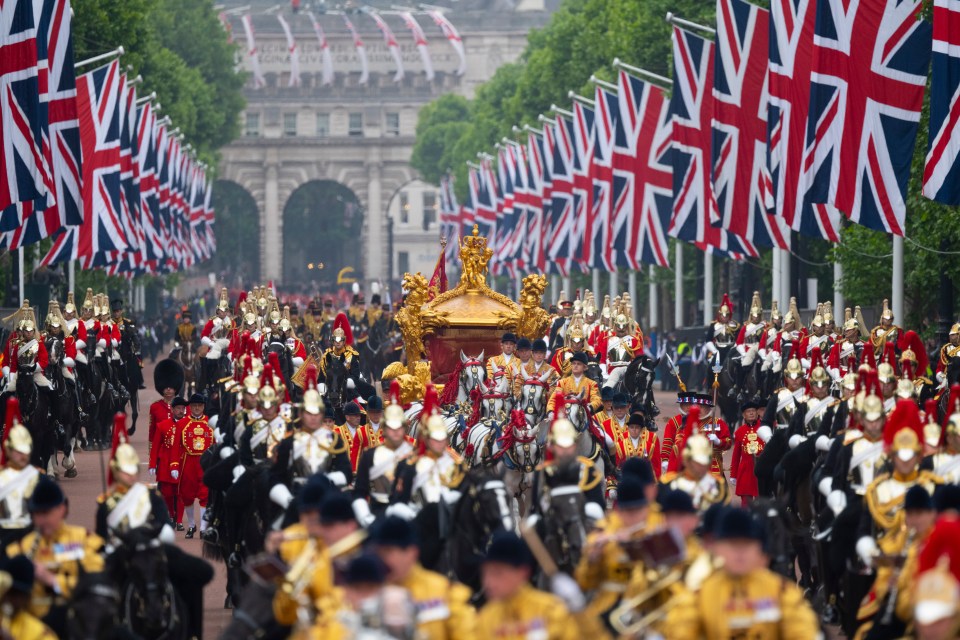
x: 623, y: 619
x: 298, y: 576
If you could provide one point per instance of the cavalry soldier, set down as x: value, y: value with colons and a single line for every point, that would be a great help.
x: 514, y: 609
x: 505, y: 360
x: 165, y: 456
x: 637, y: 440
x: 694, y: 476
x: 742, y: 599
x: 564, y: 468
x: 312, y: 449
x: 847, y: 347
x: 75, y: 328
x: 342, y: 349
x: 376, y: 470
x: 750, y: 337
x: 577, y: 384
x: 186, y: 331
x: 747, y: 445
x: 16, y: 585
x: 886, y: 331
x: 128, y: 349
x: 946, y: 462
x: 442, y: 607
x: 598, y: 335
x: 222, y: 312
x: 575, y: 343
x: 195, y: 437
x: 722, y: 333
x: 558, y: 327
x: 888, y: 377
x: 17, y: 476
x: 168, y: 381
x: 59, y: 551
x: 817, y: 338
x: 298, y: 352
x: 784, y: 401
x: 25, y: 344
x: 770, y: 333
x: 270, y: 428
x: 357, y: 315
x: 357, y: 436
x: 622, y: 347
x: 814, y: 415
x: 948, y: 353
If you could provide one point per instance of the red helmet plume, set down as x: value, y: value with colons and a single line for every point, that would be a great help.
x: 559, y: 405
x: 816, y: 359
x: 691, y: 425
x: 868, y: 356
x: 119, y: 437
x: 890, y: 355
x: 911, y: 340
x: 431, y: 404
x: 953, y: 404
x: 341, y: 322
x: 906, y: 415
x: 310, y: 377
x: 395, y: 391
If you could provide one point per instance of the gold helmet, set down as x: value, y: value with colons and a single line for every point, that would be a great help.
x: 589, y: 305
x: 955, y: 329
x: 817, y: 317
x: 224, y: 302
x: 906, y: 444
x: 794, y: 368
x: 393, y: 414
x: 54, y: 318
x: 828, y: 313
x: 849, y: 381
x: 872, y: 407
x: 605, y: 310
x: 793, y: 313
x: 262, y: 299
x: 267, y: 397
x: 28, y: 321
x: 885, y: 372
x: 88, y: 301
x: 936, y: 594
x: 775, y: 312
x: 285, y: 320
x: 726, y: 307
x: 250, y: 381
x: 698, y: 449
x: 563, y: 433
x: 124, y: 458
x: 887, y: 313
x: 16, y: 437
x: 575, y: 331
x: 756, y: 307
x: 275, y: 315
x: 70, y: 306
x: 436, y: 428
x: 312, y: 400
x: 818, y: 374
x: 849, y: 322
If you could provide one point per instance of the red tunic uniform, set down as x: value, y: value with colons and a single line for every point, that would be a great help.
x: 43, y: 359
x: 648, y: 446
x: 358, y: 442
x: 195, y: 436
x: 707, y: 426
x: 747, y: 445
x: 159, y: 412
x: 165, y: 455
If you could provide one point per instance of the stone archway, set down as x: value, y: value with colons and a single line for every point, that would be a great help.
x: 322, y: 223
x: 238, y: 234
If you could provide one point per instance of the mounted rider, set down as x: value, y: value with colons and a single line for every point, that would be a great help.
x: 750, y: 337
x: 722, y: 333
x: 298, y: 352
x: 559, y: 324
x: 74, y: 327
x: 17, y: 476
x: 816, y: 338
x: 693, y: 474
x: 623, y: 344
x: 945, y: 461
x: 342, y: 349
x: 503, y: 363
x: 849, y: 345
x: 784, y: 401
x: 886, y: 331
x: 574, y: 342
x: 577, y: 384
x: 186, y: 332
x: 24, y: 346
x: 55, y: 328
x: 221, y: 313
x: 536, y: 369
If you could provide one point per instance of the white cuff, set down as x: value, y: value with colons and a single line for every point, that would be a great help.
x: 764, y: 433
x: 226, y: 452
x: 593, y: 511
x: 401, y: 510
x: 825, y: 486
x: 281, y: 495
x: 206, y: 340
x: 837, y: 501
x: 81, y: 344
x: 824, y: 443
x: 338, y: 478
x: 867, y: 550
x: 795, y: 440
x: 361, y: 511
x: 101, y: 344
x: 351, y: 384
x: 69, y: 362
x: 167, y: 536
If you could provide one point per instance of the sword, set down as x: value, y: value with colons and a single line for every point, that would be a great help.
x: 717, y: 368
x: 675, y: 371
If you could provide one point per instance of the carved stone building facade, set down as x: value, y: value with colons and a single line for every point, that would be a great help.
x: 357, y: 137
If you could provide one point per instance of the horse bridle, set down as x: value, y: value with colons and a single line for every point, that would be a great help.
x: 500, y: 490
x: 468, y: 374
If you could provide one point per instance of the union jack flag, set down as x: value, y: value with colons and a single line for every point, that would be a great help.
x: 449, y: 217
x: 98, y: 105
x: 24, y: 175
x: 598, y: 250
x: 559, y: 229
x: 467, y: 212
x: 583, y: 131
x: 507, y: 209
x: 538, y: 180
x: 149, y: 198
x: 870, y: 64
x: 61, y: 133
x: 642, y: 175
x: 691, y: 108
x: 741, y: 180
x: 941, y: 172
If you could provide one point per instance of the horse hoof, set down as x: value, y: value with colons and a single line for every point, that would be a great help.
x: 71, y: 473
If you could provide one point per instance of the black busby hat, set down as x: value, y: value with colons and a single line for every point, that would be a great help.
x: 168, y: 374
x: 197, y: 398
x: 739, y: 524
x: 711, y: 517
x: 179, y: 401
x: 374, y: 403
x: 336, y: 508
x: 639, y: 468
x: 621, y: 400
x: 312, y: 494
x: 116, y: 304
x: 508, y: 337
x: 677, y: 501
x: 506, y: 547
x: 329, y: 412
x: 47, y: 495
x: 637, y: 419
x: 21, y: 572
x: 393, y: 532
x: 606, y: 393
x: 365, y: 569
x: 630, y: 493
x: 580, y: 357
x: 539, y: 346
x: 524, y: 343
x: 917, y: 499
x: 947, y: 498
x: 375, y: 299
x: 750, y: 403
x: 351, y: 409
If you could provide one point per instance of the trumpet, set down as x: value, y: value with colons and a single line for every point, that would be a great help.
x: 623, y: 617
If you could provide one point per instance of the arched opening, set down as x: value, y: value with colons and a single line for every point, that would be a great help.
x: 322, y: 224
x: 237, y: 260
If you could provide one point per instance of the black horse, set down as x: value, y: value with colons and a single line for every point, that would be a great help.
x: 35, y: 412
x: 94, y: 610
x: 335, y: 382
x: 637, y: 382
x: 64, y: 409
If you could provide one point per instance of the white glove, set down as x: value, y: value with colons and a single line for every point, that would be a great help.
x: 322, y: 388
x: 361, y: 511
x: 593, y: 511
x: 101, y: 344
x: 764, y: 433
x: 351, y: 384
x: 867, y: 550
x: 941, y: 377
x: 795, y: 440
x: 712, y: 437
x: 226, y: 452
x: 663, y: 466
x: 217, y: 436
x: 450, y: 496
x: 206, y: 340
x: 733, y: 481
x: 213, y: 353
x: 175, y: 474
x: 297, y: 362
x: 69, y: 362
x: 6, y: 371
x: 777, y: 362
x: 238, y: 472
x: 222, y: 343
x: 152, y: 472
x: 338, y: 478
x: 567, y: 589
x: 837, y: 501
x: 401, y: 510
x: 824, y: 443
x: 114, y: 343
x: 280, y: 495
x: 825, y: 486
x: 167, y: 536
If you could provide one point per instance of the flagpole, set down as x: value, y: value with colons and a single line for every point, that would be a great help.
x: 654, y: 78
x: 595, y: 281
x: 775, y: 276
x: 896, y: 288
x: 785, y: 278
x: 71, y: 275
x: 707, y: 286
x: 838, y: 301
x: 678, y: 285
x: 103, y: 56
x: 614, y: 284
x: 20, y: 273
x: 680, y: 22
x: 603, y: 83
